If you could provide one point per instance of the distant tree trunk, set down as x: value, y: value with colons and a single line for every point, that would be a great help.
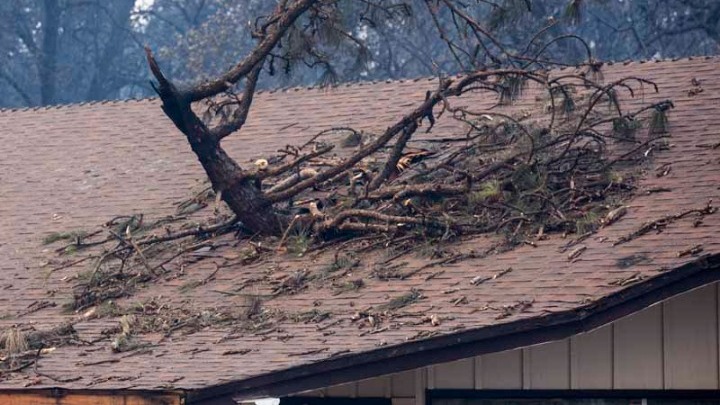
x: 47, y: 68
x: 112, y: 51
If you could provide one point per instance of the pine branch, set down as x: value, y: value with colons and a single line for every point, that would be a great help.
x: 271, y: 34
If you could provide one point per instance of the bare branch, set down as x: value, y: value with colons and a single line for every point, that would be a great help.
x: 394, y: 158
x: 283, y: 18
x: 243, y: 108
x: 447, y: 89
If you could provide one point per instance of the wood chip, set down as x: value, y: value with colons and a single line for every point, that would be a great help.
x: 435, y: 320
x: 234, y: 352
x: 576, y: 252
x: 479, y: 279
x: 637, y: 277
x: 691, y: 251
x: 614, y: 215
x: 310, y: 352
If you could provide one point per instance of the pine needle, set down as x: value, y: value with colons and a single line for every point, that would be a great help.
x: 625, y: 127
x: 525, y: 178
x: 659, y: 122
x: 568, y: 105
x: 595, y: 72
x: 510, y: 12
x: 511, y: 88
x: 574, y: 11
x: 253, y: 306
x: 402, y: 301
x: 613, y: 101
x: 13, y: 341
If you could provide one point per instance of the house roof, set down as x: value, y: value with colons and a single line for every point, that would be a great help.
x: 72, y: 167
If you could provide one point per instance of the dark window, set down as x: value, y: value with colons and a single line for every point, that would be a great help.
x: 334, y: 401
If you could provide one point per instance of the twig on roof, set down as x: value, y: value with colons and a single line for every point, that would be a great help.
x: 309, y: 352
x: 660, y: 224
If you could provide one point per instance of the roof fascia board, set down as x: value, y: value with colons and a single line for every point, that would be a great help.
x: 59, y: 396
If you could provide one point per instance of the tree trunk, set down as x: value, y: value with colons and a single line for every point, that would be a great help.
x: 47, y: 65
x: 238, y: 191
x: 112, y: 51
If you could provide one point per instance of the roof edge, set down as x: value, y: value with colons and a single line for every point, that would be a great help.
x: 472, y: 342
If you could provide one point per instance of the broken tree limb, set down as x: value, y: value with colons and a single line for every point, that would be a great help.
x: 283, y: 18
x: 392, y: 161
x: 243, y: 106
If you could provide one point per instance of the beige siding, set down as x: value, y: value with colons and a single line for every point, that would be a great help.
x: 547, y: 366
x: 500, y: 370
x: 591, y: 359
x: 638, y: 353
x: 671, y: 345
x: 690, y: 330
x: 343, y: 391
x: 403, y: 384
x: 458, y: 374
x: 375, y: 387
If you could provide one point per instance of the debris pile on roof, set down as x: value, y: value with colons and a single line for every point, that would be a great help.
x: 565, y: 170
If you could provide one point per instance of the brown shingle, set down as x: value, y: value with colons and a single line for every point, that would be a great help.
x: 75, y: 166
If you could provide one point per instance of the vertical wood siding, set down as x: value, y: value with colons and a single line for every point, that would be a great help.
x: 671, y: 345
x: 638, y: 350
x: 591, y: 359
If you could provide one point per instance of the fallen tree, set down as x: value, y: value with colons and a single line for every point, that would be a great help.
x: 541, y: 168
x: 566, y: 167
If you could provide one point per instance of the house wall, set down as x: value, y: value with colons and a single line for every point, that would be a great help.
x: 111, y: 398
x: 671, y: 345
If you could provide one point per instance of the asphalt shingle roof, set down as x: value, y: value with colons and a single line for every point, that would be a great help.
x: 70, y: 167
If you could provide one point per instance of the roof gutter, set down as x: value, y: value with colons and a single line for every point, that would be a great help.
x: 490, y: 339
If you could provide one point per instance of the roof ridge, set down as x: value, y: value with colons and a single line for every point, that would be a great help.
x: 76, y: 104
x: 349, y: 84
x: 430, y: 78
x: 661, y: 60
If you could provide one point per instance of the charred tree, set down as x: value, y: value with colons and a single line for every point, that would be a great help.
x: 236, y: 186
x: 534, y: 175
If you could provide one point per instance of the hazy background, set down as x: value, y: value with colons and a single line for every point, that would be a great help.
x: 66, y: 51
